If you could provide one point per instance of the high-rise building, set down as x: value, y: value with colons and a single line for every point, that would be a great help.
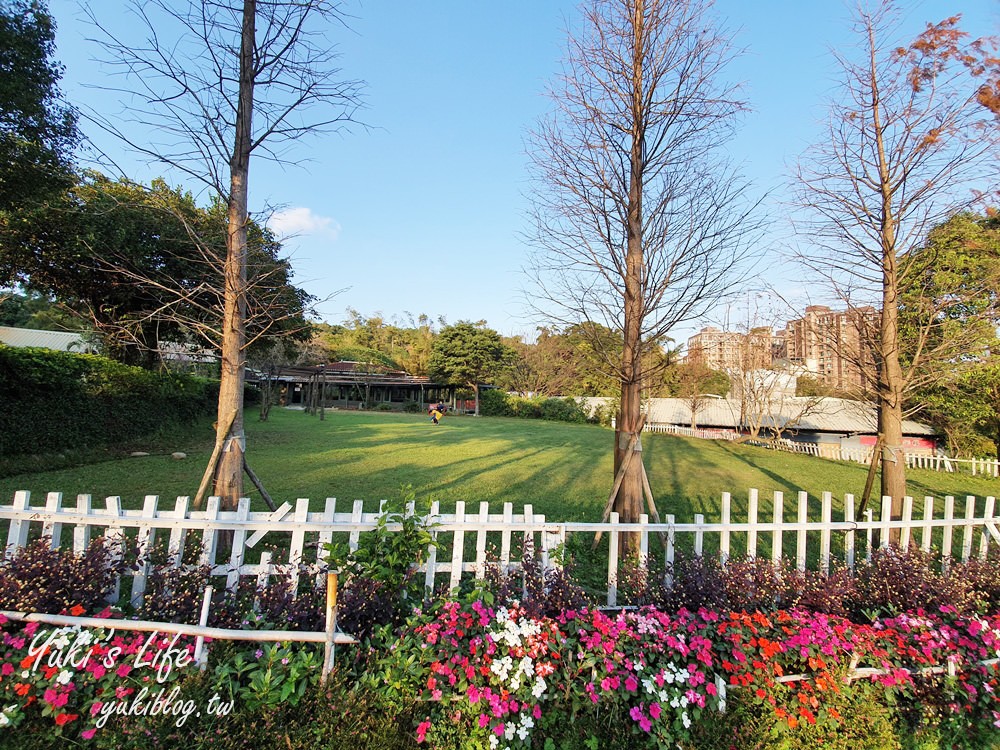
x: 834, y: 345
x: 731, y: 351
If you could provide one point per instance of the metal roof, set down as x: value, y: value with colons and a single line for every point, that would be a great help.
x: 63, y: 341
x: 804, y: 414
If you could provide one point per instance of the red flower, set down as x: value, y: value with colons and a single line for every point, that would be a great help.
x: 66, y: 718
x: 77, y: 610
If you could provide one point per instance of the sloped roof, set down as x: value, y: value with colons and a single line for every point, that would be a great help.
x: 63, y: 341
x: 824, y: 415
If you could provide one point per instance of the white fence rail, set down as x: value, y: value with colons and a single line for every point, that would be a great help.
x: 466, y: 542
x: 987, y: 467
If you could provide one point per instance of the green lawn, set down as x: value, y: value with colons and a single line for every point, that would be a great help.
x: 563, y: 470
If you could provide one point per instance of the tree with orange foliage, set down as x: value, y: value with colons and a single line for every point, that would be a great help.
x: 910, y: 138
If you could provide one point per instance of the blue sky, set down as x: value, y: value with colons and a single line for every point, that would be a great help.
x: 422, y: 212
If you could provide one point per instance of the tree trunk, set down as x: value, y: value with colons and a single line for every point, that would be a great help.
x: 891, y: 380
x: 628, y: 502
x: 229, y: 472
x: 475, y: 390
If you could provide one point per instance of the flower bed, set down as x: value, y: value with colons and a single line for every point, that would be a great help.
x: 487, y: 671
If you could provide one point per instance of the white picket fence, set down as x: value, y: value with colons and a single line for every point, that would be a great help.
x: 987, y: 467
x: 454, y: 554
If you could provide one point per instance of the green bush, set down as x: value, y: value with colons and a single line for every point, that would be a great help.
x: 58, y: 400
x: 494, y: 403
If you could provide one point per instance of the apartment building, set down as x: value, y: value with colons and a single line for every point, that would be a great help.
x: 731, y: 351
x: 834, y: 345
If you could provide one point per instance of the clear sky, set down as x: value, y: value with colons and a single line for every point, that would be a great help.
x: 422, y: 211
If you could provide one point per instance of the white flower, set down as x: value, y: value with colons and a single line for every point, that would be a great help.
x: 686, y: 720
x: 494, y: 741
x: 64, y: 677
x: 539, y: 687
x: 25, y: 674
x: 4, y: 720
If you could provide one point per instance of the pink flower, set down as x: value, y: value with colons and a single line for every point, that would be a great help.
x: 499, y: 729
x: 484, y: 720
x: 123, y: 670
x: 7, y: 670
x: 654, y: 710
x: 422, y: 728
x: 30, y: 628
x: 631, y: 684
x: 88, y: 734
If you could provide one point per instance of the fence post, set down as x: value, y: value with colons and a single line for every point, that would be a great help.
x: 668, y: 556
x: 727, y: 502
x: 508, y: 519
x: 925, y: 534
x: 886, y: 520
x: 613, y: 561
x: 239, y: 546
x: 779, y: 519
x: 200, y: 652
x: 51, y: 529
x: 752, y: 524
x: 295, y: 551
x: 800, y: 547
x: 904, y: 535
x: 987, y: 517
x: 849, y: 549
x: 432, y: 548
x: 178, y: 535
x: 484, y: 519
x: 970, y: 515
x: 458, y: 547
x: 329, y: 649
x: 949, y: 530
x: 824, y: 544
x: 144, y: 543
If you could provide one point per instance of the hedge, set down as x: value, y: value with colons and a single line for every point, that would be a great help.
x: 58, y: 400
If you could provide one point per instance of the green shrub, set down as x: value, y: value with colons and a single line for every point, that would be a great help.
x: 494, y: 403
x: 59, y: 400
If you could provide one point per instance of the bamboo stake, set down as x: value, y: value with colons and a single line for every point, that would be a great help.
x: 331, y: 626
x: 212, y: 463
x: 876, y: 459
x: 258, y: 484
x: 647, y: 490
x: 200, y: 653
x: 630, y: 450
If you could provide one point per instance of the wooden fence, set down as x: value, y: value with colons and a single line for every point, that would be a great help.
x: 466, y: 542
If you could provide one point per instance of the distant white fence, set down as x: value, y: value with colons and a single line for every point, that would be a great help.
x: 466, y: 542
x: 987, y: 467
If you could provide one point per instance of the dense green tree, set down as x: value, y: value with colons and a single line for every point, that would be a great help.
x: 955, y: 297
x: 37, y: 130
x: 404, y: 345
x: 468, y: 354
x: 37, y: 311
x: 142, y: 264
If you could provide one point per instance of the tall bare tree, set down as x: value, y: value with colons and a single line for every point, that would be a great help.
x: 640, y: 222
x: 214, y: 82
x: 910, y: 135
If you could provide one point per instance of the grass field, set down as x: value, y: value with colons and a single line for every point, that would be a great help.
x: 563, y: 470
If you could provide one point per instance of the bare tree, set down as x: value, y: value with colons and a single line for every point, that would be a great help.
x: 640, y: 222
x: 909, y: 136
x: 215, y: 82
